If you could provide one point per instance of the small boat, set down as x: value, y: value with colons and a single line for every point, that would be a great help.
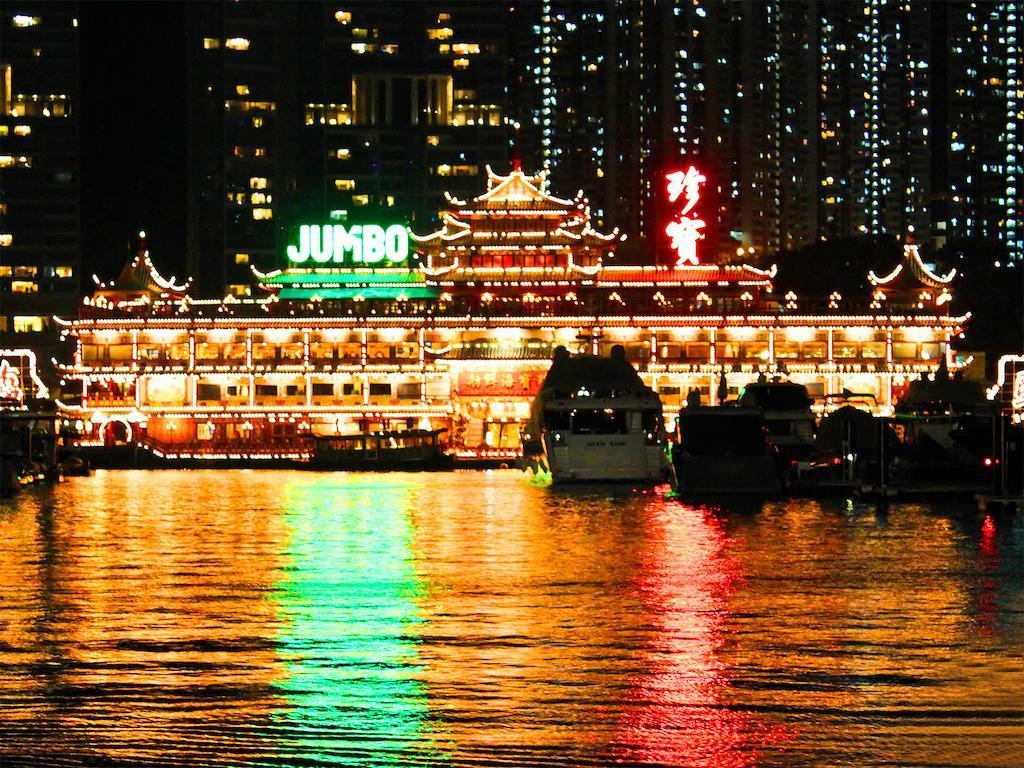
x: 724, y: 449
x: 848, y: 452
x: 595, y: 420
x: 412, y: 450
x: 786, y: 406
x: 28, y: 446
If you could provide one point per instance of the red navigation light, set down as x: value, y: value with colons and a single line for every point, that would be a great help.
x: 685, y: 229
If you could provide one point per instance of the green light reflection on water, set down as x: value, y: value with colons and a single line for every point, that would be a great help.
x: 347, y: 603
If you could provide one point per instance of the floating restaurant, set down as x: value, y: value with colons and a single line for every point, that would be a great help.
x: 369, y: 328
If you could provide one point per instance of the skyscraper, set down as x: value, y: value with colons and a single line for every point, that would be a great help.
x: 313, y: 113
x: 983, y: 188
x: 39, y: 170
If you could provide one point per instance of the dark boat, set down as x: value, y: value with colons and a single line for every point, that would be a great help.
x: 29, y: 440
x: 413, y: 450
x: 786, y: 406
x: 724, y: 450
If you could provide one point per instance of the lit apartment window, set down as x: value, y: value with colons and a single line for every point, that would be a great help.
x: 237, y: 44
x: 63, y: 271
x: 343, y: 17
x: 241, y: 258
x: 24, y: 286
x: 457, y: 170
x: 465, y: 49
x: 259, y: 151
x: 22, y: 130
x: 433, y: 140
x: 29, y: 323
x: 5, y: 271
x: 239, y: 290
x: 344, y: 184
x: 460, y: 63
x: 360, y: 32
x: 9, y: 161
x: 3, y: 130
x: 439, y: 33
x: 258, y: 182
x: 258, y: 198
x: 465, y: 94
x: 339, y: 214
x: 262, y: 214
x: 343, y: 153
x: 26, y: 21
x: 360, y: 199
x: 37, y: 52
x: 444, y: 48
x: 390, y: 48
x: 364, y: 48
x: 209, y: 43
x: 6, y: 239
x: 390, y: 201
x: 443, y: 17
x: 257, y: 122
x: 242, y: 90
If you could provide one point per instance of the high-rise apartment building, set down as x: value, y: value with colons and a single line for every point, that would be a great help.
x: 354, y: 112
x: 983, y: 173
x: 39, y: 170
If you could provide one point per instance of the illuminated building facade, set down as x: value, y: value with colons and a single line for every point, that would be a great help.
x: 357, y: 333
x: 39, y: 171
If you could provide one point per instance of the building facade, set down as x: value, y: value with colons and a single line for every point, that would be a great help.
x: 39, y: 172
x: 366, y: 327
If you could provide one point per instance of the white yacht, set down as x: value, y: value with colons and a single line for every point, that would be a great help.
x: 595, y: 420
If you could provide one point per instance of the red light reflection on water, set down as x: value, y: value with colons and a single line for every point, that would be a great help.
x: 988, y: 610
x: 676, y: 711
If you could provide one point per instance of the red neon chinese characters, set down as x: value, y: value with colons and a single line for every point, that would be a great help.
x: 685, y: 230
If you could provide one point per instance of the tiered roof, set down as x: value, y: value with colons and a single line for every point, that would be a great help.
x: 139, y: 276
x: 547, y: 225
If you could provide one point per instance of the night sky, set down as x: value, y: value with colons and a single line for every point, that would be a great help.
x: 133, y: 138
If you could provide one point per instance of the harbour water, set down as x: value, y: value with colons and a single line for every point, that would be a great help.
x: 467, y: 619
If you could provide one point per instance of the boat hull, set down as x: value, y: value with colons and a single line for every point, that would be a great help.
x: 603, y: 458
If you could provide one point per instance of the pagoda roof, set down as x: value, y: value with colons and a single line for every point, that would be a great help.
x: 140, y: 275
x: 520, y: 190
x: 911, y: 273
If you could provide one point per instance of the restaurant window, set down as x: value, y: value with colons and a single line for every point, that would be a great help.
x: 905, y: 350
x: 208, y: 392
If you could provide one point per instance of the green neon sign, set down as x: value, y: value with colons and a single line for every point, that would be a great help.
x: 358, y: 244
